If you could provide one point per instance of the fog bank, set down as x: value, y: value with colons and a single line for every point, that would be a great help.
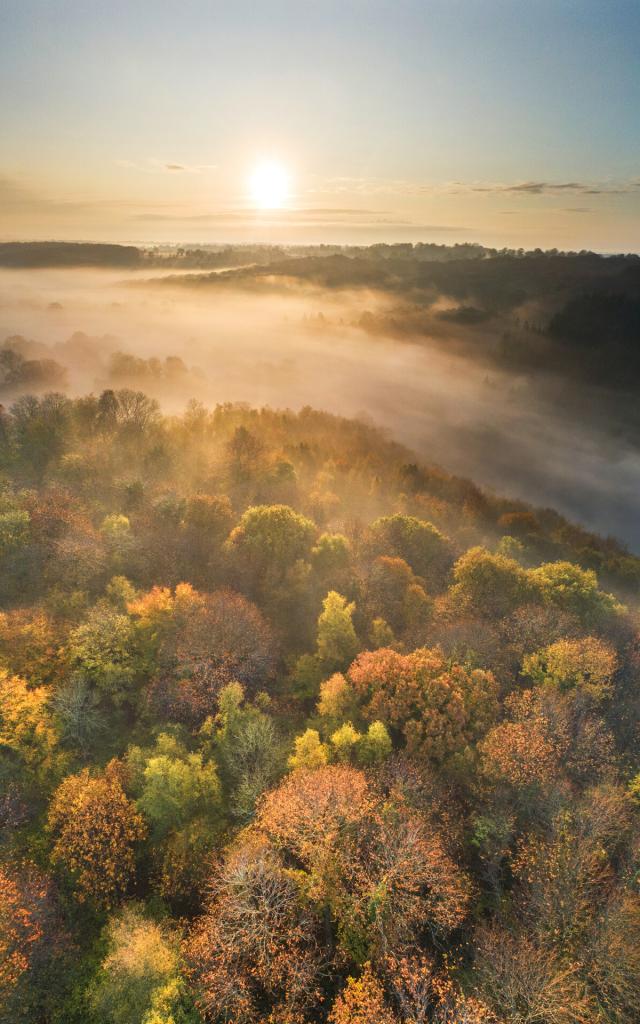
x: 520, y: 437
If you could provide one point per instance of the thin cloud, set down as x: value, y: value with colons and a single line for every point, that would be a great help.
x: 250, y: 215
x: 155, y: 166
x: 348, y: 217
x: 539, y: 188
x: 532, y: 187
x: 369, y: 186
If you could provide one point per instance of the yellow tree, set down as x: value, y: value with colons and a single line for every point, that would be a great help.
x: 362, y: 1002
x: 95, y: 829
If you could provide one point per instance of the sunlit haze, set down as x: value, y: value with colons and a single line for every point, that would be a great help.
x: 504, y: 122
x: 269, y: 185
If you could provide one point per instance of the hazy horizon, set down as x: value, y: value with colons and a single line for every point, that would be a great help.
x: 289, y: 242
x: 506, y: 123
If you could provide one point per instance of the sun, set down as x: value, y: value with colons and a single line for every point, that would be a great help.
x: 269, y: 185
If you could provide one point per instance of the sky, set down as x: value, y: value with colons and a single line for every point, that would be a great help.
x: 506, y: 122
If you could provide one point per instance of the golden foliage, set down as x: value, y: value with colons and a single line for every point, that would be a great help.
x: 440, y: 708
x: 362, y: 1001
x: 95, y: 828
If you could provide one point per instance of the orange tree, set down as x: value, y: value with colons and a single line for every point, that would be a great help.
x: 95, y: 829
x: 438, y: 707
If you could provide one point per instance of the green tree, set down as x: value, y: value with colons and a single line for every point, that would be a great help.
x: 337, y: 643
x: 103, y: 650
x: 375, y: 746
x: 175, y: 786
x: 270, y: 539
x: 14, y: 529
x: 331, y: 556
x: 116, y: 532
x: 310, y: 752
x: 395, y: 595
x: 139, y: 980
x: 338, y: 702
x: 585, y: 665
x: 418, y: 542
x: 575, y: 590
x: 77, y: 714
x: 489, y: 585
x: 344, y: 742
x: 247, y: 748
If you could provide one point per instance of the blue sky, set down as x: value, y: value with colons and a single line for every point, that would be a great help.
x: 500, y: 121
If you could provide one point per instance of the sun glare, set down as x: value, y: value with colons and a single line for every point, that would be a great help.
x: 269, y: 185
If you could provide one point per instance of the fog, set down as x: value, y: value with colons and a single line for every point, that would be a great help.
x: 518, y: 436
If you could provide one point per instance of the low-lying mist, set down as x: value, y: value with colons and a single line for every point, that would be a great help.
x: 85, y: 330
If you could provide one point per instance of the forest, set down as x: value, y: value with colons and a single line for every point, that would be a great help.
x: 297, y: 728
x: 576, y: 314
x: 515, y: 368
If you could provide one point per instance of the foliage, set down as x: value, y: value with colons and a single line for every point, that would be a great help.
x: 103, y: 650
x: 269, y: 539
x: 359, y: 739
x: 255, y: 945
x: 586, y: 665
x: 362, y: 1001
x: 95, y: 830
x: 248, y: 749
x: 309, y: 751
x: 175, y: 785
x: 575, y: 590
x: 439, y: 708
x: 337, y: 642
x: 27, y: 928
x: 491, y: 585
x: 139, y: 979
x: 419, y: 543
x: 226, y: 638
x: 28, y: 737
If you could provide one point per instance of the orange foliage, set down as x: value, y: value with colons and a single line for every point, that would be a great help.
x: 225, y: 639
x: 307, y: 812
x: 440, y: 708
x: 393, y: 881
x: 96, y: 829
x: 519, y: 753
x: 18, y: 932
x: 561, y: 878
x: 521, y: 980
x: 25, y: 923
x: 424, y: 994
x: 362, y: 1002
x: 255, y: 943
x: 26, y: 727
x: 384, y: 875
x: 30, y: 646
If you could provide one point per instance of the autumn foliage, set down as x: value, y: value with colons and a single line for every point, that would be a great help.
x: 95, y: 829
x: 439, y: 708
x: 294, y: 730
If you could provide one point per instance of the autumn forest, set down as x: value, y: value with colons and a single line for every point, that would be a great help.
x: 319, y: 512
x: 296, y: 729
